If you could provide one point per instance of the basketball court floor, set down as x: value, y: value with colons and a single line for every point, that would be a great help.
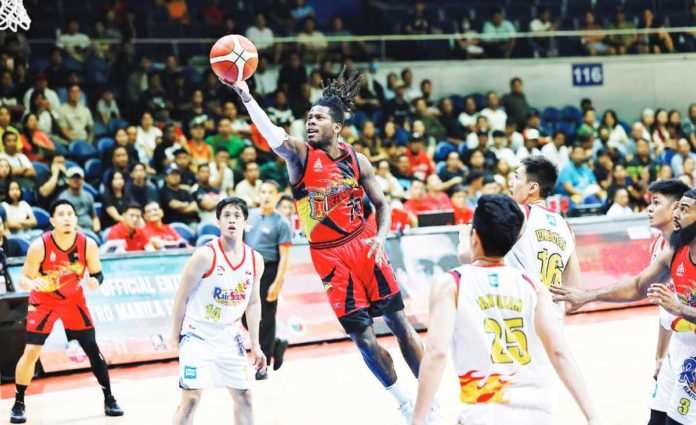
x: 329, y: 384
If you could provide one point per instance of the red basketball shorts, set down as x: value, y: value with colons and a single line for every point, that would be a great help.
x: 357, y: 288
x: 73, y: 312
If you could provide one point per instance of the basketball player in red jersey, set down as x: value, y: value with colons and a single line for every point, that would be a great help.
x: 54, y: 269
x: 329, y: 180
x: 676, y: 261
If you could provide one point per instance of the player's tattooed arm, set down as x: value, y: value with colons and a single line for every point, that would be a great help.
x: 383, y: 211
x: 631, y: 289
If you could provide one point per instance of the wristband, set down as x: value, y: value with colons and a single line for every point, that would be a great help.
x: 99, y: 276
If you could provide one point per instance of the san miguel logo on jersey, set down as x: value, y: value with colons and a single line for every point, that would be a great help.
x: 340, y: 191
x: 680, y: 270
x: 54, y: 279
x: 233, y: 296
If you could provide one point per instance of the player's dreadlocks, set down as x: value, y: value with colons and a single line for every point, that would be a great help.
x: 338, y: 94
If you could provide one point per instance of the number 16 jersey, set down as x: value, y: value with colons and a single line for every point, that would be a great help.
x: 544, y: 247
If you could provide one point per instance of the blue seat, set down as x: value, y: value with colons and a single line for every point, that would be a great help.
x: 572, y: 114
x: 440, y: 167
x: 117, y: 124
x: 458, y: 102
x: 43, y: 172
x: 93, y: 170
x: 100, y: 130
x: 81, y: 151
x: 442, y: 149
x: 104, y: 144
x: 69, y: 164
x: 480, y: 100
x: 184, y: 231
x: 98, y: 208
x: 462, y: 149
x: 551, y: 114
x: 204, y: 239
x: 23, y: 243
x: 90, y: 234
x: 42, y: 217
x: 28, y: 196
x: 90, y: 189
x: 208, y: 229
x: 567, y: 128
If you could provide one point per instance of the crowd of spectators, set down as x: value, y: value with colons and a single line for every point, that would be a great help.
x: 155, y: 145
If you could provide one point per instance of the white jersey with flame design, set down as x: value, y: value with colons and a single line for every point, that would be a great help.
x: 544, y: 248
x: 500, y: 361
x: 222, y: 295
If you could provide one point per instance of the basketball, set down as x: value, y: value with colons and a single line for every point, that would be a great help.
x: 234, y: 58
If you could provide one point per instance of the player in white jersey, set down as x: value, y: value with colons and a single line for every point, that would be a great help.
x: 665, y: 195
x: 499, y: 322
x: 218, y: 285
x: 546, y: 248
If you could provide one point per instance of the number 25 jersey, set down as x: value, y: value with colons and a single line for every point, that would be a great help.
x: 544, y: 248
x: 497, y: 353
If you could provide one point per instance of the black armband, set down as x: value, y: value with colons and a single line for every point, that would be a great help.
x: 99, y: 276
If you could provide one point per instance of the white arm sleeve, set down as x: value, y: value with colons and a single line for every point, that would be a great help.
x: 274, y: 135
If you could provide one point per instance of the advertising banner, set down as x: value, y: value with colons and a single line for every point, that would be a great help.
x: 132, y: 309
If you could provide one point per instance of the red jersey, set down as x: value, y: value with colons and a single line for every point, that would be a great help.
x: 329, y: 197
x: 684, y: 277
x: 135, y: 239
x: 62, y: 270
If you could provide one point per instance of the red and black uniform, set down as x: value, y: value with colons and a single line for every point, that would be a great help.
x: 329, y: 199
x: 683, y: 275
x: 62, y: 297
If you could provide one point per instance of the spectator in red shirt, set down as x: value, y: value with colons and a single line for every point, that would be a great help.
x: 437, y: 197
x: 128, y: 230
x: 417, y: 202
x: 421, y: 164
x: 462, y: 212
x: 160, y: 235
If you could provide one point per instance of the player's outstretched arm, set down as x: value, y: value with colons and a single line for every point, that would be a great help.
x: 287, y: 147
x: 550, y: 334
x: 253, y: 314
x: 196, y: 267
x: 631, y: 289
x: 443, y: 313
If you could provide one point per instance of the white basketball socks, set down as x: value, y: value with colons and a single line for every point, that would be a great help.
x: 400, y: 393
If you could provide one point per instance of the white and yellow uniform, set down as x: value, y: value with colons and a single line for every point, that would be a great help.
x: 212, y: 350
x: 544, y: 248
x: 502, y: 367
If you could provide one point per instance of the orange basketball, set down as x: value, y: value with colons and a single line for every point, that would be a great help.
x: 234, y: 58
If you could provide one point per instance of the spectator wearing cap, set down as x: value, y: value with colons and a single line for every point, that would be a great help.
x: 182, y: 160
x: 201, y: 152
x: 159, y: 234
x: 130, y: 231
x: 495, y: 114
x: 531, y: 143
x: 556, y: 151
x: 462, y: 212
x: 177, y: 203
x: 248, y: 189
x: 75, y: 120
x: 421, y: 166
x: 22, y: 169
x: 83, y: 201
x: 515, y: 103
x: 492, y: 185
x: 50, y: 186
x: 206, y: 196
x: 146, y: 140
x: 474, y: 184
